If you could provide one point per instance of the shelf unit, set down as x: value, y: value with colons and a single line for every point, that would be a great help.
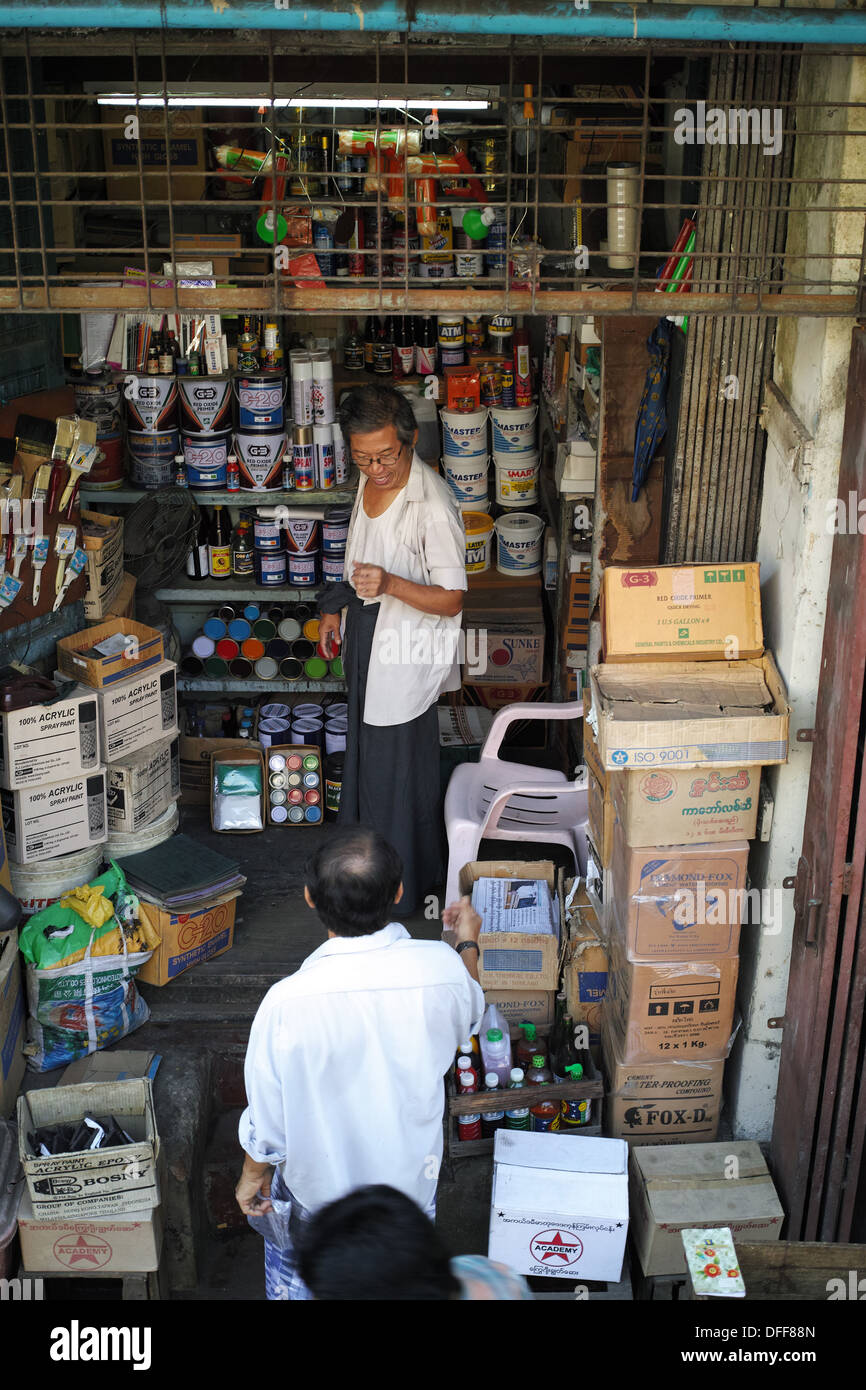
x: 215, y: 592
x: 316, y: 497
x: 205, y: 685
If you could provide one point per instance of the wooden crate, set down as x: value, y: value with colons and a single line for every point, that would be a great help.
x: 796, y: 1271
x: 589, y: 1088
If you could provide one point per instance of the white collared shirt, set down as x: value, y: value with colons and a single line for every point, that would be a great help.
x: 415, y: 656
x: 345, y: 1063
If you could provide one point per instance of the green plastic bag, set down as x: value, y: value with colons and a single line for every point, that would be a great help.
x: 55, y: 933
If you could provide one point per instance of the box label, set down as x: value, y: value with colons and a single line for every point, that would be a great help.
x: 177, y: 964
x: 500, y: 962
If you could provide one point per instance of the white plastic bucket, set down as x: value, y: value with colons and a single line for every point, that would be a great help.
x: 513, y: 429
x: 464, y: 432
x: 123, y: 843
x: 467, y: 477
x: 37, y: 885
x: 479, y: 534
x: 520, y: 546
x: 517, y: 480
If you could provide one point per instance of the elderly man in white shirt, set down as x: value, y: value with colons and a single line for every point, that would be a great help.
x: 346, y: 1057
x: 402, y: 595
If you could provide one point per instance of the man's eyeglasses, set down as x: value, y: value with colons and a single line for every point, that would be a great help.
x: 365, y: 461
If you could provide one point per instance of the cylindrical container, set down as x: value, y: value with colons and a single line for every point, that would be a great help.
x: 289, y: 629
x: 513, y: 430
x: 341, y: 455
x: 450, y: 331
x: 303, y: 649
x: 335, y: 530
x: 323, y: 388
x: 302, y: 388
x: 337, y: 668
x: 206, y: 458
x: 214, y: 627
x: 241, y: 667
x: 311, y: 629
x: 500, y: 332
x: 519, y: 543
x: 121, y: 844
x: 275, y: 613
x: 205, y: 404
x: 506, y: 377
x: 479, y: 535
x: 467, y: 477
x: 302, y: 534
x: 151, y: 403
x: 517, y: 480
x: 227, y: 648
x: 335, y: 739
x: 260, y: 459
x: 215, y: 667
x: 191, y: 666
x: 264, y: 629
x: 316, y: 669
x: 291, y: 669
x: 468, y: 254
x: 266, y: 668
x: 203, y: 647
x: 261, y: 400
x: 323, y: 241
x: 42, y: 883
x: 267, y: 533
x: 333, y: 785
x: 278, y: 649
x: 323, y: 441
x: 623, y: 196
x: 277, y: 763
x: 313, y: 814
x: 151, y: 457
x: 303, y: 568
x: 97, y: 398
x: 464, y: 432
x: 239, y: 629
x: 226, y: 613
x: 496, y: 254
x: 304, y: 457
x: 108, y: 472
x: 251, y: 612
x: 253, y: 648
x: 333, y: 568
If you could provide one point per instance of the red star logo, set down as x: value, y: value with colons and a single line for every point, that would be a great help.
x: 552, y: 1245
x: 82, y: 1252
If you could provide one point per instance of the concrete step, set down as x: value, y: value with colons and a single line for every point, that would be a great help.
x: 221, y: 1169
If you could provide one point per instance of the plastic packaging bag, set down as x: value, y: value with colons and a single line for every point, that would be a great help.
x: 237, y: 796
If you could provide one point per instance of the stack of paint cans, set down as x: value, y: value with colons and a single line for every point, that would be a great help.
x: 315, y: 723
x: 97, y: 398
x: 303, y: 551
x: 319, y: 457
x: 262, y: 434
x: 335, y: 533
x: 466, y: 456
x: 205, y: 405
x: 152, y: 439
x: 295, y: 785
x: 277, y: 643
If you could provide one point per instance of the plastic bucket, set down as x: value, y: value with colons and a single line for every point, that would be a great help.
x: 464, y: 433
x: 467, y: 477
x: 37, y: 885
x: 517, y: 481
x: 151, y: 457
x: 261, y: 400
x: 151, y: 402
x: 137, y: 841
x: 205, y: 404
x: 520, y: 544
x: 206, y: 457
x: 479, y: 534
x: 260, y: 459
x: 513, y: 429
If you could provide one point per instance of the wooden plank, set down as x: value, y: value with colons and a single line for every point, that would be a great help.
x: 798, y: 1271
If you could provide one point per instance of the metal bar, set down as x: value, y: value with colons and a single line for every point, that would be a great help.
x: 37, y: 181
x: 169, y: 191
x: 13, y: 222
x: 140, y: 162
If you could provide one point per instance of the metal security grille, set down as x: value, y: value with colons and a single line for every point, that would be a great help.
x: 123, y: 132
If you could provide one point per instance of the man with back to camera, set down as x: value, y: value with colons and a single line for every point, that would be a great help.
x: 346, y: 1056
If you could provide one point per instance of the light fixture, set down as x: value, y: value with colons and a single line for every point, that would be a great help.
x: 341, y: 103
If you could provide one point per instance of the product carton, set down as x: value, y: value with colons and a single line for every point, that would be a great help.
x: 524, y: 1006
x: 559, y: 1208
x: 13, y: 1017
x: 671, y: 1008
x: 707, y: 612
x: 123, y: 605
x: 667, y: 807
x: 678, y: 902
x: 142, y: 786
x: 58, y: 818
x: 248, y: 753
x: 61, y: 1245
x: 584, y: 976
x: 139, y: 713
x: 42, y: 743
x: 130, y: 648
x: 495, y: 697
x: 505, y: 653
x: 188, y: 156
x: 676, y: 1186
x: 104, y: 565
x: 516, y: 960
x: 689, y: 714
x: 674, y: 1102
x: 187, y: 938
x: 195, y: 755
x: 97, y: 1182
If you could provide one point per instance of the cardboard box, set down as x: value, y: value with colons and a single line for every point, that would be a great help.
x: 117, y: 1065
x: 675, y: 1102
x: 142, y: 786
x: 123, y: 605
x: 13, y: 1017
x: 188, y: 158
x: 690, y: 714
x: 676, y: 1186
x: 503, y: 653
x: 195, y: 756
x: 600, y: 817
x: 76, y: 658
x: 187, y: 938
x: 559, y: 1209
x: 585, y: 971
x: 670, y: 1009
x: 515, y: 960
x: 104, y: 565
x: 45, y: 742
x: 5, y: 876
x: 678, y: 902
x: 129, y: 1244
x: 496, y: 697
x: 524, y: 1006
x: 707, y: 612
x: 667, y: 807
x: 58, y: 818
x: 240, y: 756
x: 98, y: 1182
x: 139, y: 713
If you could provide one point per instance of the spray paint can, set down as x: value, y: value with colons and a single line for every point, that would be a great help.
x: 302, y: 388
x: 323, y: 388
x: 341, y: 456
x: 303, y: 458
x: 323, y: 441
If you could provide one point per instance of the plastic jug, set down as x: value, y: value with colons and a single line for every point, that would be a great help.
x: 496, y: 1053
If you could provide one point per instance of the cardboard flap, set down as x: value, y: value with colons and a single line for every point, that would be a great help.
x: 576, y: 1196
x: 739, y: 683
x: 691, y: 1162
x: 585, y: 1155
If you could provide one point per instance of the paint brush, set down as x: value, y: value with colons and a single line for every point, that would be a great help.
x: 64, y: 545
x: 40, y: 559
x: 74, y: 568
x: 19, y: 551
x: 41, y: 482
x: 9, y: 590
x: 12, y: 509
x: 80, y: 463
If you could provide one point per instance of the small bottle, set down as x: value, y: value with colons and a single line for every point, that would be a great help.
x: 493, y: 1119
x: 383, y: 352
x: 545, y: 1113
x: 152, y: 367
x: 404, y: 347
x: 180, y: 478
x: 425, y: 345
x: 233, y: 474
x: 516, y: 1119
x: 194, y: 364
x: 242, y: 551
x: 353, y: 349
x: 468, y: 1127
x: 539, y: 1073
x: 467, y: 1076
x: 197, y: 566
x: 574, y: 1114
x: 219, y: 545
x: 173, y: 347
x: 528, y: 1044
x: 371, y: 331
x: 496, y: 1053
x: 166, y: 361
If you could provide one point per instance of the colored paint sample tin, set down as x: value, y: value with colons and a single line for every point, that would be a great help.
x: 214, y: 627
x: 311, y: 779
x: 313, y: 814
x: 227, y: 648
x: 294, y: 762
x: 312, y: 798
x: 311, y: 629
x: 316, y: 668
x: 266, y: 668
x: 241, y: 667
x: 239, y: 629
x: 191, y: 666
x: 203, y: 647
x: 264, y: 629
x: 215, y: 666
x: 251, y: 612
x: 252, y: 648
x: 336, y: 668
x: 278, y: 649
x: 289, y: 629
x: 291, y: 669
x: 279, y: 814
x: 296, y: 814
x: 270, y: 571
x: 311, y: 763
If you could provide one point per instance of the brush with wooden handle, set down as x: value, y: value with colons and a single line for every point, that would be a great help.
x: 40, y: 560
x: 81, y: 462
x: 73, y: 569
x: 64, y: 545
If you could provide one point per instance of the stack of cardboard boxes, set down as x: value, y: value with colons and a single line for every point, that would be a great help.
x: 503, y: 629
x: 684, y: 711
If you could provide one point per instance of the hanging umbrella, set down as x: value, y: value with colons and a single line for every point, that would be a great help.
x: 652, y: 421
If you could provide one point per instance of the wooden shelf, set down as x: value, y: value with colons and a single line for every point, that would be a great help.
x: 204, y: 684
x: 126, y: 496
x: 217, y: 591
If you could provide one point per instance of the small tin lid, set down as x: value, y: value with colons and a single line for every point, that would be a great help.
x: 266, y: 668
x: 277, y: 762
x: 313, y: 814
x: 203, y: 647
x: 214, y: 627
x: 279, y: 814
x: 296, y: 814
x: 289, y: 629
x: 239, y: 629
x: 311, y: 762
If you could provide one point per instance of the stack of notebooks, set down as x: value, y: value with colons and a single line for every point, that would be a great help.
x: 181, y: 874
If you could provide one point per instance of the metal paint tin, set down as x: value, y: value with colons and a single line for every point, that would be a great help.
x: 151, y: 457
x: 304, y: 458
x: 303, y: 569
x: 303, y: 534
x: 239, y: 629
x: 97, y: 398
x: 279, y: 815
x: 335, y: 530
x: 333, y: 567
x: 269, y: 567
x: 291, y: 669
x: 205, y: 404
x: 313, y: 814
x: 289, y: 629
x: 260, y: 459
x: 151, y: 403
x: 206, y: 458
x: 214, y: 627
x: 261, y: 400
x: 326, y: 467
x: 267, y: 533
x: 241, y: 667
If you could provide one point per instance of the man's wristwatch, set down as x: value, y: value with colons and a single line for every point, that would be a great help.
x: 461, y: 947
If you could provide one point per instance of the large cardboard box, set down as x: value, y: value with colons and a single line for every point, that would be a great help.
x: 671, y: 1009
x: 678, y: 902
x: 600, y: 817
x: 188, y: 938
x: 516, y: 960
x: 559, y: 1209
x: 79, y: 659
x: 104, y: 564
x: 494, y: 697
x: 523, y: 1006
x: 139, y: 713
x: 41, y: 743
x: 708, y: 612
x: 187, y: 154
x: 129, y: 1244
x: 676, y: 1186
x: 58, y: 818
x: 142, y: 786
x: 97, y: 1182
x: 505, y: 653
x: 195, y: 755
x: 123, y: 605
x: 675, y: 1102
x: 689, y: 714
x: 13, y: 1017
x: 667, y: 807
x: 585, y: 969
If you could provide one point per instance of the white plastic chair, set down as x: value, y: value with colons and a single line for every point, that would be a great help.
x: 497, y: 800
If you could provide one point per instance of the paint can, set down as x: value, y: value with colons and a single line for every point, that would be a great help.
x: 97, y: 398
x: 206, y: 459
x: 151, y: 403
x: 151, y: 457
x: 335, y: 530
x: 108, y: 472
x: 261, y: 400
x: 303, y: 571
x: 302, y: 533
x: 260, y: 459
x: 267, y: 533
x: 269, y: 568
x: 205, y: 404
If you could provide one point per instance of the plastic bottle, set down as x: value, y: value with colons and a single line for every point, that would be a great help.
x: 539, y: 1073
x: 494, y: 1119
x: 496, y: 1054
x: 468, y: 1127
x: 516, y: 1119
x: 545, y: 1113
x: 467, y: 1076
x: 528, y: 1044
x: 574, y: 1114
